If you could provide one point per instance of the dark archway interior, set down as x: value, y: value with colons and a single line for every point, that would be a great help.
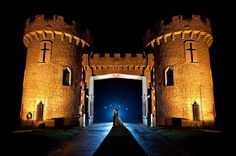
x: 125, y: 94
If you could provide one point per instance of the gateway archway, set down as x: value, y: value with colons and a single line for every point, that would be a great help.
x: 139, y: 67
x: 124, y: 94
x: 119, y: 76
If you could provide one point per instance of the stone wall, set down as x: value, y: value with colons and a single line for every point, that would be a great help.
x: 192, y: 80
x: 43, y: 80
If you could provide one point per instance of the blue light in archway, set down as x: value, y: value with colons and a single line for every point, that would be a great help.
x: 124, y: 94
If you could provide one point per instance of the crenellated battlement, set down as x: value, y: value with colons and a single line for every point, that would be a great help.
x: 180, y: 23
x: 56, y: 22
x: 42, y: 17
x: 116, y: 60
x: 179, y: 27
x: 118, y: 55
x: 51, y: 34
x: 182, y: 18
x: 186, y: 34
x: 134, y: 65
x: 47, y: 28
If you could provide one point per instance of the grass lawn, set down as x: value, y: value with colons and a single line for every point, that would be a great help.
x: 194, y: 141
x: 38, y: 141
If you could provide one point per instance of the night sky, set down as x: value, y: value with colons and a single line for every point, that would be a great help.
x: 116, y: 27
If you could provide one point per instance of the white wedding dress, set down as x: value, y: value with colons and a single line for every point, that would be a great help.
x: 118, y: 122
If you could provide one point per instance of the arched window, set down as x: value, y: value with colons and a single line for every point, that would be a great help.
x: 66, y: 79
x: 169, y: 77
x: 196, y: 111
x: 39, y: 115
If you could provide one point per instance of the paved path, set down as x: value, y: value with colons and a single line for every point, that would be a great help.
x: 86, y: 143
x: 152, y: 143
x: 120, y: 142
x: 102, y: 139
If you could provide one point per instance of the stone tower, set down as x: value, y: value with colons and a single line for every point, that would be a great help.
x: 51, y: 88
x: 184, y: 87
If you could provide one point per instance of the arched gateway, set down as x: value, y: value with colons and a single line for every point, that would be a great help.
x: 137, y: 67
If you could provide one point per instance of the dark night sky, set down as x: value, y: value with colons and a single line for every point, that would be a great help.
x: 117, y: 27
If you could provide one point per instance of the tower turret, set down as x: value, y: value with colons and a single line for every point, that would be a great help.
x: 184, y: 88
x: 51, y: 93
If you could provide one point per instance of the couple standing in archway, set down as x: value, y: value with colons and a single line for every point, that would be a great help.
x: 116, y: 119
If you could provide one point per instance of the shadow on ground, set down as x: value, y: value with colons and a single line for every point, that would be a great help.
x: 119, y: 141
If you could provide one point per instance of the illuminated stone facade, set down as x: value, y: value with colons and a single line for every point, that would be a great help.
x: 52, y: 72
x: 176, y: 69
x: 184, y: 88
x: 133, y: 65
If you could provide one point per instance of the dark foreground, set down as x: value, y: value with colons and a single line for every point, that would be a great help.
x: 119, y: 141
x: 102, y: 139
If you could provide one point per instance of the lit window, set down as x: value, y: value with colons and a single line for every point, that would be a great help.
x: 169, y: 77
x: 66, y: 80
x: 190, y: 51
x: 45, y: 51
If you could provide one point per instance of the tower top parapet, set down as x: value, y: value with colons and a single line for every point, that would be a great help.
x: 180, y: 23
x: 55, y: 22
x: 49, y: 27
x: 180, y: 26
